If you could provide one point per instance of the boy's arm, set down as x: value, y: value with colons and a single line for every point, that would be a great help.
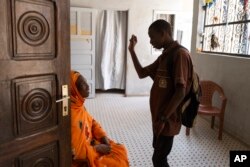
x: 175, y: 101
x: 182, y: 75
x: 142, y: 72
x: 171, y: 108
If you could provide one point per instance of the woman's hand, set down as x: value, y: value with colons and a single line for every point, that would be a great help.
x: 105, y: 140
x: 132, y: 43
x: 103, y: 148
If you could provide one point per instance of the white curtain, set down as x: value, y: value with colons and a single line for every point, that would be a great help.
x: 110, y: 49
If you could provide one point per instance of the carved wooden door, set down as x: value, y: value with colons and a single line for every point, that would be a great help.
x: 34, y: 64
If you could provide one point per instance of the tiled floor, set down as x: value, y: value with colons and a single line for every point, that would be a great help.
x: 127, y: 120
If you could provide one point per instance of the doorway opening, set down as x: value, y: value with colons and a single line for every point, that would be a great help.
x: 99, y: 47
x: 111, y: 46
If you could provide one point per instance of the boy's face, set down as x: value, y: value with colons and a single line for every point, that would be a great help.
x: 157, y: 39
x: 82, y: 86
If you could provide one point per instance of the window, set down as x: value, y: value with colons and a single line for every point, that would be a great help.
x: 227, y: 27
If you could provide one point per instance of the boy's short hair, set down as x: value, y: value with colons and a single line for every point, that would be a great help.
x: 161, y: 26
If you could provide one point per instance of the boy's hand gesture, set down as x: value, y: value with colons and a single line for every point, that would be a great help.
x: 132, y: 43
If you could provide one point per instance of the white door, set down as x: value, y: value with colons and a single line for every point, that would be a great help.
x: 82, y: 27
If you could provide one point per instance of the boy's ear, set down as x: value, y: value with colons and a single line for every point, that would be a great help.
x: 168, y: 35
x: 165, y: 34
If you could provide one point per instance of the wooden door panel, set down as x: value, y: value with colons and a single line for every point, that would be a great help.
x: 43, y: 156
x: 10, y: 163
x: 33, y: 29
x: 34, y: 64
x: 12, y: 150
x: 79, y: 59
x: 31, y: 106
x: 33, y: 97
x: 80, y: 46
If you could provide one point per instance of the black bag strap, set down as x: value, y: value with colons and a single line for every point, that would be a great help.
x: 170, y: 58
x: 170, y: 66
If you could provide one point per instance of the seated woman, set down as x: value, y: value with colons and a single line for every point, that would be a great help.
x: 89, y: 141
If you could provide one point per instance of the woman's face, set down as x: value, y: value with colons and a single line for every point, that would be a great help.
x: 82, y: 86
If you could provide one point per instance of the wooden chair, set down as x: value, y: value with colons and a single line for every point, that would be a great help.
x: 206, y: 107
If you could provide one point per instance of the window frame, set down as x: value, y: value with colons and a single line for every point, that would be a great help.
x: 224, y: 25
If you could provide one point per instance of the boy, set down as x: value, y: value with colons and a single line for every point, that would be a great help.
x: 172, y: 76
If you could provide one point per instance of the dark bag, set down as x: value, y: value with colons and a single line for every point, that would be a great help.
x: 190, y: 104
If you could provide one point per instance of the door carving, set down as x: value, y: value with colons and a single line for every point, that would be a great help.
x: 34, y: 64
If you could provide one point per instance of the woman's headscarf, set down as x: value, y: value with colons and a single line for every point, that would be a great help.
x: 75, y: 96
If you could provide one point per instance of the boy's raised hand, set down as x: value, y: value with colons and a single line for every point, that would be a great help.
x: 132, y: 43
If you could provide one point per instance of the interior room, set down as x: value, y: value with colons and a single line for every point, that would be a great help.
x: 188, y: 28
x: 182, y: 20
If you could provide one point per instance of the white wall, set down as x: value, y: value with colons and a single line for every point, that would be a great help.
x: 232, y: 74
x: 139, y: 19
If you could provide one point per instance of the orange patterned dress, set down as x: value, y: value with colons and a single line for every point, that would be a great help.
x: 86, y: 132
